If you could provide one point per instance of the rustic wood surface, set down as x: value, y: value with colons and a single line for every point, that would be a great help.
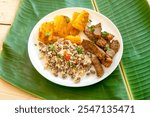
x: 8, y: 10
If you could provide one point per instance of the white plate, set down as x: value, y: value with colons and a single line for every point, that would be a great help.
x: 96, y: 17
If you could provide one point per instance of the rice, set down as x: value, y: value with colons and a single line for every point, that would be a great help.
x: 66, y: 59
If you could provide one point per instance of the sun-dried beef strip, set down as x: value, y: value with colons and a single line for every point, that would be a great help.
x: 97, y: 65
x: 107, y: 61
x: 114, y: 45
x: 93, y: 32
x: 101, y: 42
x: 91, y: 47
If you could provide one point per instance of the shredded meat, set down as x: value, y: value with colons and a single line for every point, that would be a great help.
x: 97, y: 65
x: 91, y: 47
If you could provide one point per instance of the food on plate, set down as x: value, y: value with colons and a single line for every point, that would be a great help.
x: 91, y: 47
x: 46, y: 32
x: 110, y: 52
x: 93, y: 32
x: 71, y: 30
x: 74, y: 16
x: 115, y: 45
x: 60, y: 25
x: 74, y: 39
x: 81, y: 20
x: 107, y: 36
x: 97, y: 65
x: 65, y: 53
x: 107, y: 61
x: 63, y: 27
x: 103, y: 46
x: 66, y: 59
x: 101, y: 42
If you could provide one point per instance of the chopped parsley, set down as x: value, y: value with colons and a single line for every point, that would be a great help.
x: 68, y: 63
x: 73, y: 65
x: 51, y: 47
x: 93, y: 42
x: 105, y: 34
x: 89, y: 20
x: 91, y: 28
x: 47, y: 34
x: 107, y: 47
x: 59, y: 56
x: 79, y: 50
x: 67, y: 19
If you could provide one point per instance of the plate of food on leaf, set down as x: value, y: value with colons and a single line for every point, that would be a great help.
x: 75, y: 47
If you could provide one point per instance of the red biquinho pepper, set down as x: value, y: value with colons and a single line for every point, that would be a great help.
x: 66, y: 56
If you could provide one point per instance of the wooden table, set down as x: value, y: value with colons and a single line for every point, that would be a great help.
x: 7, y: 13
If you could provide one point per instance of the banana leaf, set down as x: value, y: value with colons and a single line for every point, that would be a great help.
x: 132, y: 17
x: 129, y: 81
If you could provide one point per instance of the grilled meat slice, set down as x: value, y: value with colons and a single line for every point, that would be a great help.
x: 107, y: 36
x: 91, y: 47
x: 105, y: 45
x: 97, y: 65
x: 93, y: 32
x: 110, y: 52
x: 114, y: 45
x: 89, y: 34
x: 97, y: 30
x: 101, y: 42
x: 107, y: 61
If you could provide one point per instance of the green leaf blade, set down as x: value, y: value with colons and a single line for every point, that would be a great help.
x: 132, y: 17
